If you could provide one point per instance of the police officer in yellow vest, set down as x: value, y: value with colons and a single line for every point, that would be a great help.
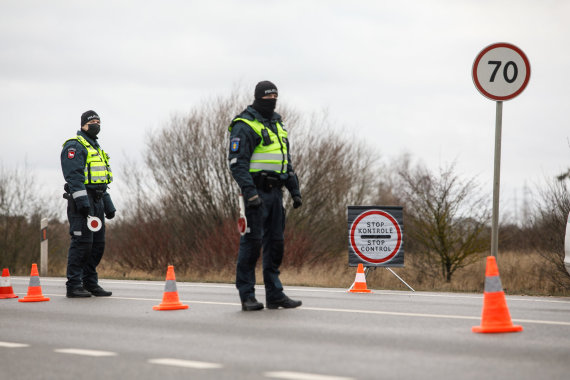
x: 87, y: 173
x: 260, y: 163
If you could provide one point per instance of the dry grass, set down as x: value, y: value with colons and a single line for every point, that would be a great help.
x: 521, y: 273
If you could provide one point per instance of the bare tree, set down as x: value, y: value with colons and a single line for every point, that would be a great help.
x: 21, y: 210
x: 186, y: 202
x: 335, y: 170
x: 186, y: 194
x: 446, y: 218
x: 549, y: 229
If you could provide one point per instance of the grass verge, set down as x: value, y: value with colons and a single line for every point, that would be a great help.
x: 521, y: 273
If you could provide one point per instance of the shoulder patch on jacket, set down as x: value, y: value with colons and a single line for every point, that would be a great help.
x: 234, y: 144
x: 71, y: 153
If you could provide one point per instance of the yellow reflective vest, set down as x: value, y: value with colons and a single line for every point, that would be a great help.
x: 97, y: 169
x: 272, y: 157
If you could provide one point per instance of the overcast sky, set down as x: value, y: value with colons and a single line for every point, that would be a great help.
x: 396, y: 73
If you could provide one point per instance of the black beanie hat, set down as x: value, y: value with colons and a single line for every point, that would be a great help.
x: 264, y: 88
x: 87, y: 116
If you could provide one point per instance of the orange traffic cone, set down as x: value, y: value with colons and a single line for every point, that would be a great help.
x: 495, y: 317
x: 6, y: 290
x: 359, y: 285
x: 170, y: 300
x: 34, y: 289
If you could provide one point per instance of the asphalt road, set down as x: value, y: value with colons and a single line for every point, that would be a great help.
x: 334, y: 335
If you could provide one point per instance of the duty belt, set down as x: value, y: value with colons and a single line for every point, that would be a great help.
x: 267, y: 182
x: 96, y: 194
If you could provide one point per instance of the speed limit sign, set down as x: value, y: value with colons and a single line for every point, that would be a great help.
x: 501, y: 71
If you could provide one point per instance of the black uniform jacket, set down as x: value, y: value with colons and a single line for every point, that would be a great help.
x: 247, y: 140
x: 73, y: 158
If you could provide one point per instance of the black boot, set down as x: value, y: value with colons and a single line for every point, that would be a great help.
x: 284, y: 302
x: 77, y: 293
x: 99, y: 291
x: 251, y: 304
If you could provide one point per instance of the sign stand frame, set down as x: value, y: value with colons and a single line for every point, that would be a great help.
x: 366, y: 269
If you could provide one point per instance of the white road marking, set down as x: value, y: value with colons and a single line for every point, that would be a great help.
x: 542, y: 322
x: 443, y: 316
x: 13, y: 345
x: 303, y: 376
x: 405, y: 293
x: 185, y: 363
x: 308, y: 290
x: 357, y: 311
x: 396, y: 313
x: 79, y: 351
x: 378, y: 312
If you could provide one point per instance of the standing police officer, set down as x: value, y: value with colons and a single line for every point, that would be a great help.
x: 87, y: 172
x: 261, y: 165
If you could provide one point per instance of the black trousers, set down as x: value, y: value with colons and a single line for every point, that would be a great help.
x: 266, y: 225
x: 86, y: 248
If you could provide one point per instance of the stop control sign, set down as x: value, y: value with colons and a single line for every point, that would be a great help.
x: 375, y: 236
x: 501, y: 71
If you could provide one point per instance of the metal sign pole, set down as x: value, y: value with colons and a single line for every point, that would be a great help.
x: 497, y: 179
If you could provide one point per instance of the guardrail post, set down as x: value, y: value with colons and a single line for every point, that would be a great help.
x: 44, y: 248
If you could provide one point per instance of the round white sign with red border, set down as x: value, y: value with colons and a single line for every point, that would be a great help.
x: 94, y: 223
x: 375, y: 236
x: 501, y: 71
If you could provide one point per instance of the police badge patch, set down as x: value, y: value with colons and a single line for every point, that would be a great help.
x: 71, y: 153
x: 234, y: 145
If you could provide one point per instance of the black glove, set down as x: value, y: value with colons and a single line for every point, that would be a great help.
x: 84, y: 211
x: 297, y: 202
x: 110, y: 215
x: 254, y: 202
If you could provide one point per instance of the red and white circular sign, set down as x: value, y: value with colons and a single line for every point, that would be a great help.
x: 501, y: 71
x: 375, y: 236
x: 94, y: 223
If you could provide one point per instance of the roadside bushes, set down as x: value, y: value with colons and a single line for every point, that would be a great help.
x: 182, y: 203
x: 22, y: 206
x: 183, y: 209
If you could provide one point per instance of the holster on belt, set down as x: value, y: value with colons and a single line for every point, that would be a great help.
x: 266, y: 182
x: 67, y: 194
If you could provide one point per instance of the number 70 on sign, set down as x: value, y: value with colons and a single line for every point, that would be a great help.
x: 501, y: 71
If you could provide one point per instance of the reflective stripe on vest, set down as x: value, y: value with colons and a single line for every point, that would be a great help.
x: 97, y: 169
x: 272, y: 157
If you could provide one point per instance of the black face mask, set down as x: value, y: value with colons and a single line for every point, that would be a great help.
x: 265, y: 107
x: 93, y: 130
